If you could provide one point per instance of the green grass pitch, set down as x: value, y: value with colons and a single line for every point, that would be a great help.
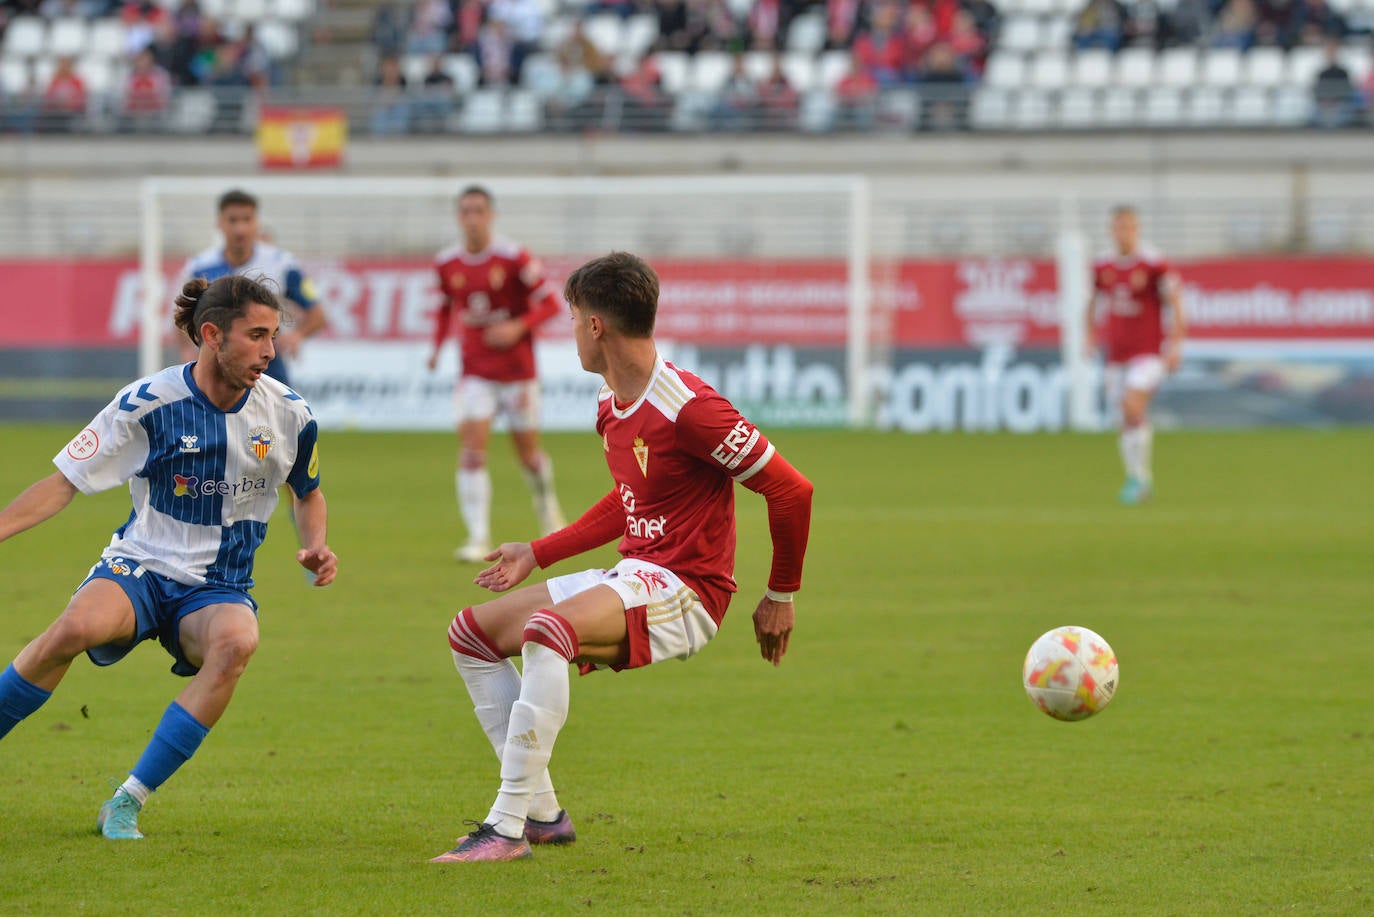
x: 891, y: 765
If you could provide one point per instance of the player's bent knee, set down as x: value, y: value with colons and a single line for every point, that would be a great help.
x: 468, y: 638
x: 68, y: 637
x: 231, y: 652
x: 550, y: 629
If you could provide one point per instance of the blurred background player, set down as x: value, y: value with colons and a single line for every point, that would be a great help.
x: 245, y: 253
x: 1132, y: 286
x: 204, y: 448
x: 500, y: 294
x: 675, y: 448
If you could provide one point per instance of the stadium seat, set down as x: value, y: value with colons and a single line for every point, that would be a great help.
x: 107, y: 38
x: 414, y: 67
x: 539, y: 69
x: 1303, y: 66
x: 1177, y: 68
x: 1005, y: 70
x: 673, y: 70
x: 1058, y: 33
x: 279, y: 39
x: 1292, y: 106
x: 14, y: 75
x: 524, y: 111
x: 1092, y: 69
x: 68, y: 37
x: 253, y: 11
x: 1163, y: 107
x: 1135, y: 68
x: 1120, y: 107
x: 800, y: 71
x: 1356, y: 61
x: 1250, y: 107
x: 899, y: 109
x: 99, y: 76
x: 462, y: 69
x: 1039, y: 7
x: 26, y: 36
x: 816, y: 112
x: 740, y: 8
x: 758, y: 64
x: 1049, y: 70
x: 1032, y: 110
x: 831, y: 67
x: 1221, y: 68
x: 1206, y: 106
x: 990, y: 109
x: 192, y: 111
x: 709, y: 71
x: 806, y: 33
x: 1021, y: 33
x: 606, y: 31
x: 292, y: 10
x: 556, y: 31
x: 215, y: 9
x: 1264, y: 67
x: 1078, y: 107
x: 641, y: 31
x: 483, y: 112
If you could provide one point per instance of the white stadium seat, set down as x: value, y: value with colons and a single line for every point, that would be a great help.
x: 1020, y: 33
x: 990, y: 109
x: 1058, y: 32
x: 14, y: 75
x: 831, y: 67
x: 1032, y: 110
x: 414, y: 67
x: 556, y: 32
x: 1049, y: 70
x: 1206, y: 106
x: 462, y: 69
x: 817, y: 111
x: 1177, y: 68
x: 253, y: 11
x: 641, y: 31
x: 483, y: 112
x: 1293, y: 106
x: 759, y: 65
x: 279, y: 39
x: 806, y: 33
x: 1304, y: 64
x: 292, y: 10
x: 193, y: 111
x: 672, y: 70
x: 1078, y: 107
x: 1005, y: 70
x: 1135, y: 68
x: 1250, y: 107
x: 1264, y: 67
x: 98, y: 75
x: 1039, y: 7
x: 800, y: 71
x: 1163, y: 107
x: 107, y: 38
x: 1092, y: 69
x: 1221, y: 67
x: 1120, y: 107
x: 710, y: 71
x: 1356, y: 61
x: 606, y: 31
x: 524, y: 111
x: 539, y: 70
x: 68, y: 37
x: 26, y: 36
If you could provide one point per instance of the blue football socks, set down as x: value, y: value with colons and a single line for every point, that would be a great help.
x: 176, y: 739
x: 18, y: 698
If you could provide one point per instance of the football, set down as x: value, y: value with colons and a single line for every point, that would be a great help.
x: 1070, y: 673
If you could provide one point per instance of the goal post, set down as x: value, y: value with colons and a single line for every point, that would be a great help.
x: 766, y: 280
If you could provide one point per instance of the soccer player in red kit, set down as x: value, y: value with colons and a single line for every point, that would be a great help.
x: 676, y: 449
x: 498, y: 291
x: 1132, y: 286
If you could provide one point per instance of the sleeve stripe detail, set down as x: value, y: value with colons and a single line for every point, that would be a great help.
x: 757, y: 466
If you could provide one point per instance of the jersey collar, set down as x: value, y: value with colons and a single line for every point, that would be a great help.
x: 203, y: 399
x: 653, y: 377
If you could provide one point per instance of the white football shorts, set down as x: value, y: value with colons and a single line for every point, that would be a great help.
x: 1142, y: 373
x: 475, y: 398
x: 664, y: 618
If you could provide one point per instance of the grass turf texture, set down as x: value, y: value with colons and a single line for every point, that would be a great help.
x: 892, y: 764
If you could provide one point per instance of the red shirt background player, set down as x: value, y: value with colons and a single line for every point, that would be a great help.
x: 497, y: 291
x: 1134, y: 286
x: 675, y: 449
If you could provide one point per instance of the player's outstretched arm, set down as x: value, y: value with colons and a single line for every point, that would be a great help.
x: 514, y: 561
x: 312, y: 515
x: 40, y: 501
x: 788, y: 494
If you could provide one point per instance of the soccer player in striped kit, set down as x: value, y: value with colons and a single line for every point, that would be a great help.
x: 676, y: 449
x: 204, y: 448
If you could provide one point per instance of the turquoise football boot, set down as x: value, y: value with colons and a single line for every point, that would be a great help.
x: 118, y: 818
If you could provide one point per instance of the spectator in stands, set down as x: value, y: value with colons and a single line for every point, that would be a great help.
x: 1333, y: 93
x: 672, y: 24
x: 766, y: 24
x: 468, y: 17
x: 64, y: 101
x: 737, y: 103
x: 646, y: 106
x: 881, y: 50
x: 429, y: 25
x: 566, y: 89
x: 1277, y: 22
x: 711, y: 26
x: 205, y: 52
x: 494, y: 51
x: 388, y: 29
x: 943, y: 79
x: 578, y: 52
x: 843, y: 21
x: 1317, y: 22
x: 1099, y: 25
x: 390, y: 107
x: 856, y: 96
x: 1187, y: 22
x: 23, y: 108
x: 436, y: 101
x: 1235, y: 25
x: 147, y: 91
x: 1142, y: 27
x: 778, y: 100
x: 142, y: 20
x: 622, y: 8
x: 920, y: 34
x: 986, y: 17
x: 253, y: 60
x: 967, y: 44
x: 524, y: 22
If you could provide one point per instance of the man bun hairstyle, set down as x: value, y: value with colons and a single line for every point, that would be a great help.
x: 236, y: 197
x: 220, y: 302
x: 621, y: 288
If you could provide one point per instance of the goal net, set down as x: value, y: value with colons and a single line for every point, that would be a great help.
x: 765, y: 284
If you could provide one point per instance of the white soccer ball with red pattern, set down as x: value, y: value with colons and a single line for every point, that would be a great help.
x: 1070, y: 673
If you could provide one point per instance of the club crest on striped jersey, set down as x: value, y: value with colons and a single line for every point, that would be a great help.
x: 641, y: 452
x: 260, y: 439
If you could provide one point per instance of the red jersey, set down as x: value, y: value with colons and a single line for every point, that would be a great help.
x: 1134, y: 287
x: 487, y: 288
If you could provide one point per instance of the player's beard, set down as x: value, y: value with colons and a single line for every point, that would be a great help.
x: 237, y: 375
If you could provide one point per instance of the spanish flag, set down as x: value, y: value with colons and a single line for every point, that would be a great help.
x: 301, y: 138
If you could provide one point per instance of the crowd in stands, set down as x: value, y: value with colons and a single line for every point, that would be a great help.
x: 163, y: 47
x: 1240, y: 24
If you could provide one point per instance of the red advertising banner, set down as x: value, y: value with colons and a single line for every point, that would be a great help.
x: 959, y: 303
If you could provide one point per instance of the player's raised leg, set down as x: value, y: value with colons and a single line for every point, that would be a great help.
x: 219, y: 639
x: 99, y: 613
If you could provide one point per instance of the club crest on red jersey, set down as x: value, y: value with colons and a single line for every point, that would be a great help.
x: 457, y: 282
x: 642, y: 455
x: 1139, y: 278
x: 497, y: 277
x: 261, y: 439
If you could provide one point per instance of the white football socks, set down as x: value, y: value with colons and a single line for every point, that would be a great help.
x: 546, y: 506
x: 535, y: 720
x: 1136, y: 443
x: 474, y: 503
x: 494, y: 687
x: 135, y: 788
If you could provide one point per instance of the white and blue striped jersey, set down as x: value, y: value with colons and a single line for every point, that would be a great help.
x: 277, y: 266
x: 203, y: 480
